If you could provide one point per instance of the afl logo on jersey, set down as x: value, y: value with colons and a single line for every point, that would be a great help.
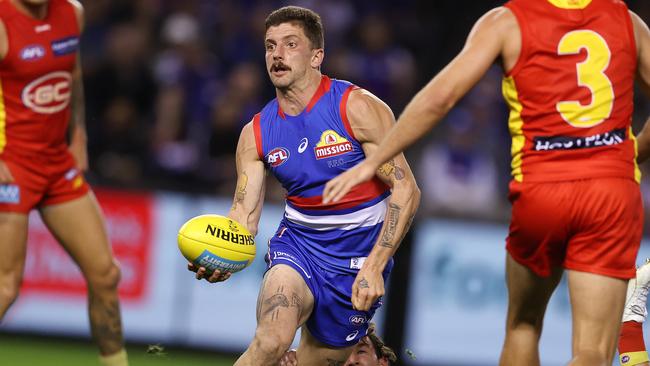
x: 277, y: 156
x: 48, y: 94
x: 32, y: 53
x: 332, y: 144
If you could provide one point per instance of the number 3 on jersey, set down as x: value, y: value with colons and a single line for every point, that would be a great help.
x: 591, y: 74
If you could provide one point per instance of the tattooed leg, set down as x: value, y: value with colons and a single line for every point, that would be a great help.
x: 105, y: 321
x: 284, y: 303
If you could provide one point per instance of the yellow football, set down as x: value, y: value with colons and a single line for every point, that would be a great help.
x: 216, y: 242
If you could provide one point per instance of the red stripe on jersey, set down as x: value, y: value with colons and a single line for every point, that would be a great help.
x: 362, y: 193
x: 343, y: 109
x: 324, y: 87
x: 257, y: 130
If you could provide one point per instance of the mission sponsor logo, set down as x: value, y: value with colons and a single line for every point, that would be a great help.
x: 277, y: 156
x: 332, y: 144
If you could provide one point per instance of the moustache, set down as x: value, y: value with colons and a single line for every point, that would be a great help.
x: 279, y: 66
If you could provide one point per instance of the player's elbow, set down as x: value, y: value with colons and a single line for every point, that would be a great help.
x: 442, y: 102
x: 408, y: 188
x: 415, y: 195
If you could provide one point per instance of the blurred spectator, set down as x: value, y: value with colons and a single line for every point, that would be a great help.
x: 456, y: 175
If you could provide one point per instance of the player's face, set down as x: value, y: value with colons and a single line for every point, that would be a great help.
x: 289, y: 54
x: 363, y: 354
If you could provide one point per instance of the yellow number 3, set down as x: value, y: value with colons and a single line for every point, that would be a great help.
x: 591, y: 74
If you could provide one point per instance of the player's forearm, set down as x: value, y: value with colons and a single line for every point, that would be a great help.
x: 247, y: 204
x: 402, y: 207
x: 643, y: 143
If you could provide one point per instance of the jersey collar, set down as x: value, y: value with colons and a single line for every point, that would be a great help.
x: 570, y: 4
x: 323, y: 87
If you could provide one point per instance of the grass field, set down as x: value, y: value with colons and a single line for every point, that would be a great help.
x: 33, y: 351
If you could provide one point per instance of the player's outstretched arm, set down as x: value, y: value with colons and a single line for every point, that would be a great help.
x: 371, y: 119
x: 484, y: 44
x: 249, y: 195
x: 642, y: 38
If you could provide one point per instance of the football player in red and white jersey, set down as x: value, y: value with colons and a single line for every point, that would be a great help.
x: 41, y: 104
x: 569, y: 70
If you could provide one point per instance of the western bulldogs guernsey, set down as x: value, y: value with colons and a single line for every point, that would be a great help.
x: 325, y: 244
x: 304, y: 152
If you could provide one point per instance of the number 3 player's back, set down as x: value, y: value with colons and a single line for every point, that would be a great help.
x: 571, y: 91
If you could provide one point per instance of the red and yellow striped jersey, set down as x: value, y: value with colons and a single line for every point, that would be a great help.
x: 570, y: 92
x: 36, y: 79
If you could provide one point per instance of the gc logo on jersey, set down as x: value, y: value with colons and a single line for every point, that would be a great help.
x: 277, y: 157
x: 332, y: 144
x: 49, y: 93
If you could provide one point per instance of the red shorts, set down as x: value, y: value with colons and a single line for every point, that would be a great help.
x: 41, y: 181
x: 592, y: 225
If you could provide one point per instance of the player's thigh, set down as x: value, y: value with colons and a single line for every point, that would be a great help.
x: 13, y: 247
x: 79, y: 226
x: 597, y: 305
x: 312, y: 352
x: 284, y: 303
x: 528, y: 293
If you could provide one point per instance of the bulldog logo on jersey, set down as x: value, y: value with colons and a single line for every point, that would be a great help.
x: 332, y: 144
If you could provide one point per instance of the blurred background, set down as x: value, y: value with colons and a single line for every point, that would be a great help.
x: 169, y: 85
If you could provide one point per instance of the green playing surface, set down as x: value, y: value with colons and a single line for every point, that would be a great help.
x: 29, y: 351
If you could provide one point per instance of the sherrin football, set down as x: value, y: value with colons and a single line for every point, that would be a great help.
x: 216, y: 242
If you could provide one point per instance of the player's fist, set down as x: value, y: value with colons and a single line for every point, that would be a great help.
x: 202, y: 273
x: 289, y: 358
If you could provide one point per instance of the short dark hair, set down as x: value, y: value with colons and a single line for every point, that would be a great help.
x: 381, y: 349
x: 309, y: 20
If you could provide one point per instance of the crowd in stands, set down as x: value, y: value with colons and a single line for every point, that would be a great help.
x: 169, y: 85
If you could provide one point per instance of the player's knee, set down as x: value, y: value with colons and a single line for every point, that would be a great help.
x: 589, y: 357
x: 106, y: 278
x: 272, y: 345
x: 9, y: 288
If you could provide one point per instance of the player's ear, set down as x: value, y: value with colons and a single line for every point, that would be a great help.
x: 317, y: 56
x: 383, y: 362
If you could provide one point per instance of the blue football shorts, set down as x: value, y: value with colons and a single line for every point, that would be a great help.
x: 333, y: 321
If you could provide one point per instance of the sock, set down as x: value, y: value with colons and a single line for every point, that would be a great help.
x: 631, y: 347
x: 116, y: 359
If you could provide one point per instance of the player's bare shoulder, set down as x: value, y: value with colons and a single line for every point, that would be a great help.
x: 79, y: 12
x: 247, y: 145
x: 501, y: 22
x: 368, y: 115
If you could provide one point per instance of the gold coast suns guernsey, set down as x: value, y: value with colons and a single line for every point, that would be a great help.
x: 36, y: 79
x: 570, y: 92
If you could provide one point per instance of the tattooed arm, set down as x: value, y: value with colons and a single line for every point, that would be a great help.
x: 370, y: 120
x: 249, y: 194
